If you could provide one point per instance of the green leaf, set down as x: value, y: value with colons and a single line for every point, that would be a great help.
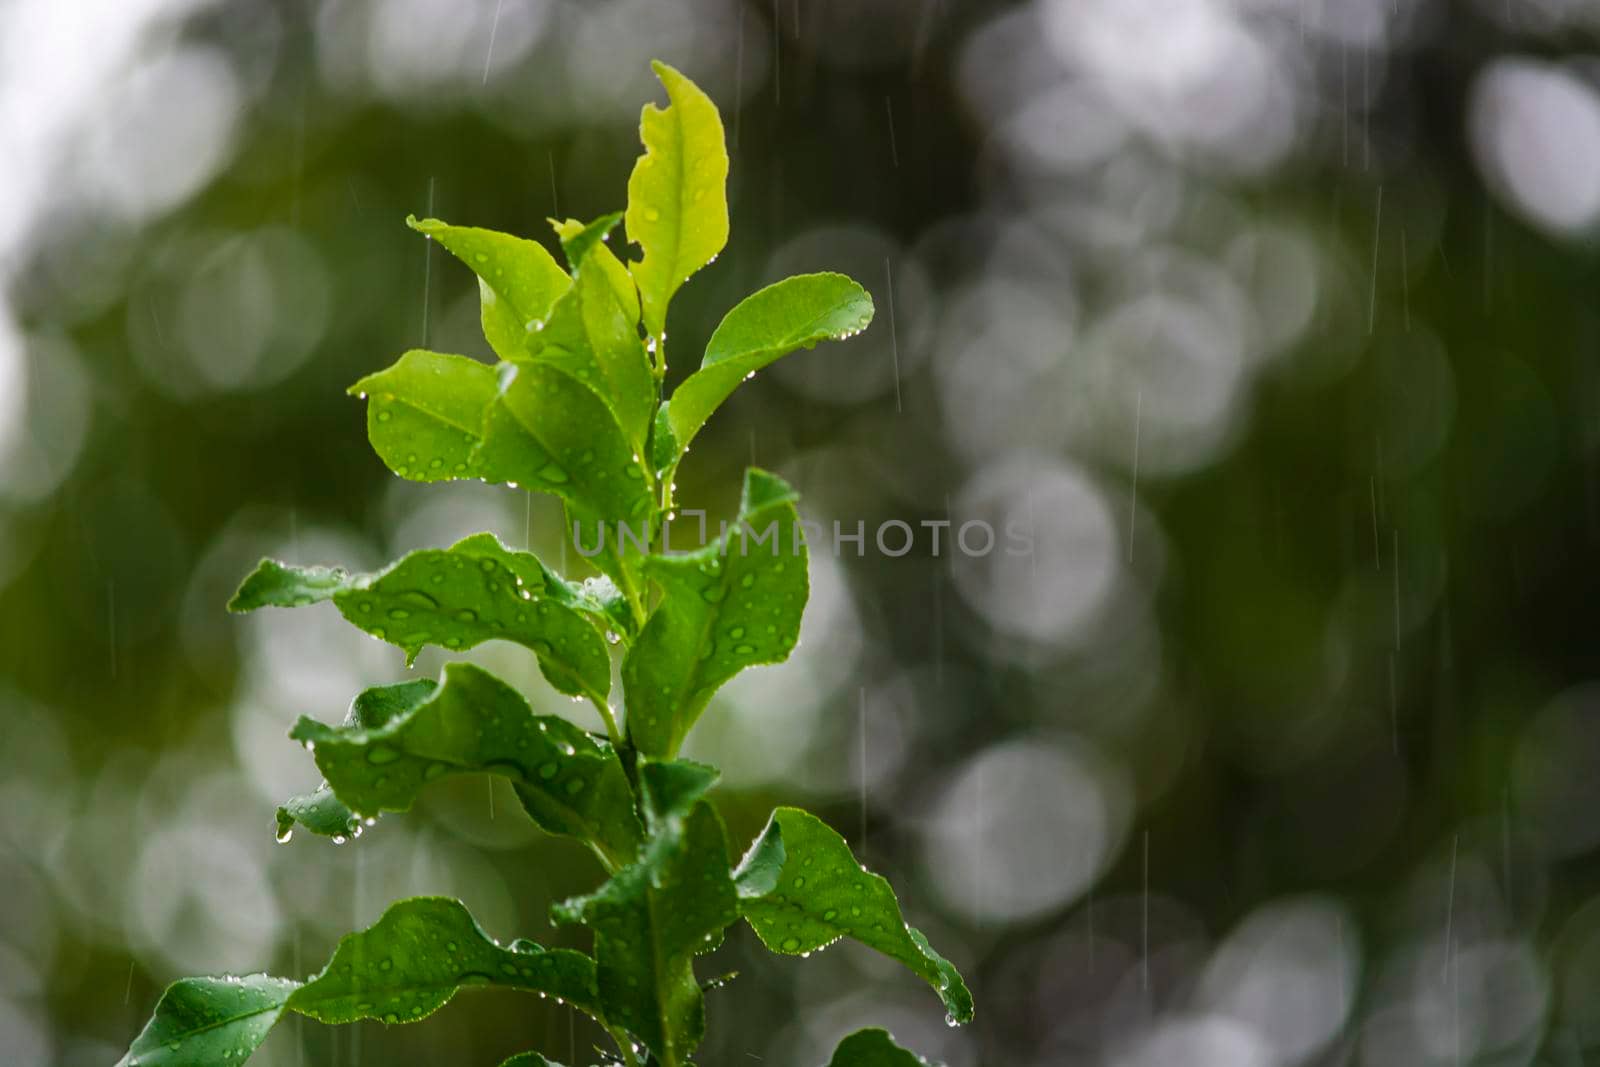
x: 873, y: 1048
x: 411, y: 962
x: 425, y: 414
x: 677, y: 194
x: 654, y: 916
x: 590, y: 336
x: 456, y: 598
x: 471, y: 723
x: 518, y: 280
x: 576, y: 244
x: 321, y: 811
x: 733, y: 604
x: 763, y: 327
x: 821, y: 893
x: 206, y: 1021
x: 665, y: 450
x: 403, y: 968
x: 622, y: 287
x: 529, y: 1059
x: 547, y: 431
x: 598, y: 598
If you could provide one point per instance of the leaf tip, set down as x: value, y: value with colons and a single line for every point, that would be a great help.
x: 763, y: 489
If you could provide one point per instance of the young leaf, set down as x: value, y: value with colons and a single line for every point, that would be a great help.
x: 425, y: 414
x: 474, y: 723
x: 819, y: 894
x: 664, y: 448
x: 577, y: 244
x: 518, y: 280
x: 455, y: 598
x: 654, y: 916
x: 411, y: 962
x: 209, y: 1021
x: 873, y: 1048
x: 401, y: 969
x: 733, y: 604
x: 590, y: 336
x: 547, y: 431
x: 763, y: 327
x: 677, y: 194
x: 622, y: 287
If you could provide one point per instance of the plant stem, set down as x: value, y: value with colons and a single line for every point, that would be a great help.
x: 610, y: 717
x: 624, y: 1046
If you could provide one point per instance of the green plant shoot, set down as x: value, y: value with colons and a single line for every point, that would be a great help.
x: 574, y: 407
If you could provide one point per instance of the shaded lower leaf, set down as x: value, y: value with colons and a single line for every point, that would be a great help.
x: 802, y: 889
x: 454, y: 598
x: 873, y: 1048
x: 425, y: 414
x: 410, y: 963
x: 654, y: 916
x: 731, y: 605
x: 403, y: 968
x: 209, y: 1021
x: 569, y: 783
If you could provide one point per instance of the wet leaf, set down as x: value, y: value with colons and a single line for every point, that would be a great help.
x: 590, y: 336
x: 569, y: 783
x: 677, y: 194
x: 207, y: 1021
x: 597, y: 598
x: 548, y: 432
x: 731, y: 605
x: 873, y: 1048
x: 615, y: 271
x: 518, y: 280
x: 413, y: 960
x: 577, y: 243
x: 455, y: 598
x: 425, y: 414
x: 664, y: 448
x: 654, y: 916
x: 763, y: 327
x: 820, y: 893
x: 407, y: 965
x: 321, y: 811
